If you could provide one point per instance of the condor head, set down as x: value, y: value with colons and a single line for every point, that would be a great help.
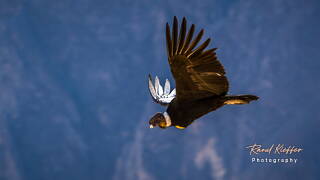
x: 160, y: 119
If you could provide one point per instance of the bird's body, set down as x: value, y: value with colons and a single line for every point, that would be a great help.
x: 182, y: 113
x: 201, y: 84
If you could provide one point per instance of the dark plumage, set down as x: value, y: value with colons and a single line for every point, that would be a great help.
x: 201, y: 84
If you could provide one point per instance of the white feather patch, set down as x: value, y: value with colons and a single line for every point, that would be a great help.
x: 167, y: 118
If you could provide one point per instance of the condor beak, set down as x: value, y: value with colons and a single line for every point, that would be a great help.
x: 151, y: 126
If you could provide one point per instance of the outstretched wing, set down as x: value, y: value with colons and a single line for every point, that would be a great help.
x: 160, y: 95
x: 197, y: 72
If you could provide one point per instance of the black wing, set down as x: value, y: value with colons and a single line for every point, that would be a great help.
x: 197, y: 72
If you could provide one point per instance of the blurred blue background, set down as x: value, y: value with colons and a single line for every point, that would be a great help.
x: 74, y: 102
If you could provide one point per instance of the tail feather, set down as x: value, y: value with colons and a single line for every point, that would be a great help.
x: 240, y: 99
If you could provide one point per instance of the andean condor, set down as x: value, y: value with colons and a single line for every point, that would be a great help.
x: 201, y: 84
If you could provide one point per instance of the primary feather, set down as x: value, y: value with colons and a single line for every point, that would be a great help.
x: 197, y: 72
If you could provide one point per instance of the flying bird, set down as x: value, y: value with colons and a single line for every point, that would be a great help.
x: 201, y: 84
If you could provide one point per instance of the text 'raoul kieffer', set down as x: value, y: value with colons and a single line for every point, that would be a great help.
x: 273, y: 149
